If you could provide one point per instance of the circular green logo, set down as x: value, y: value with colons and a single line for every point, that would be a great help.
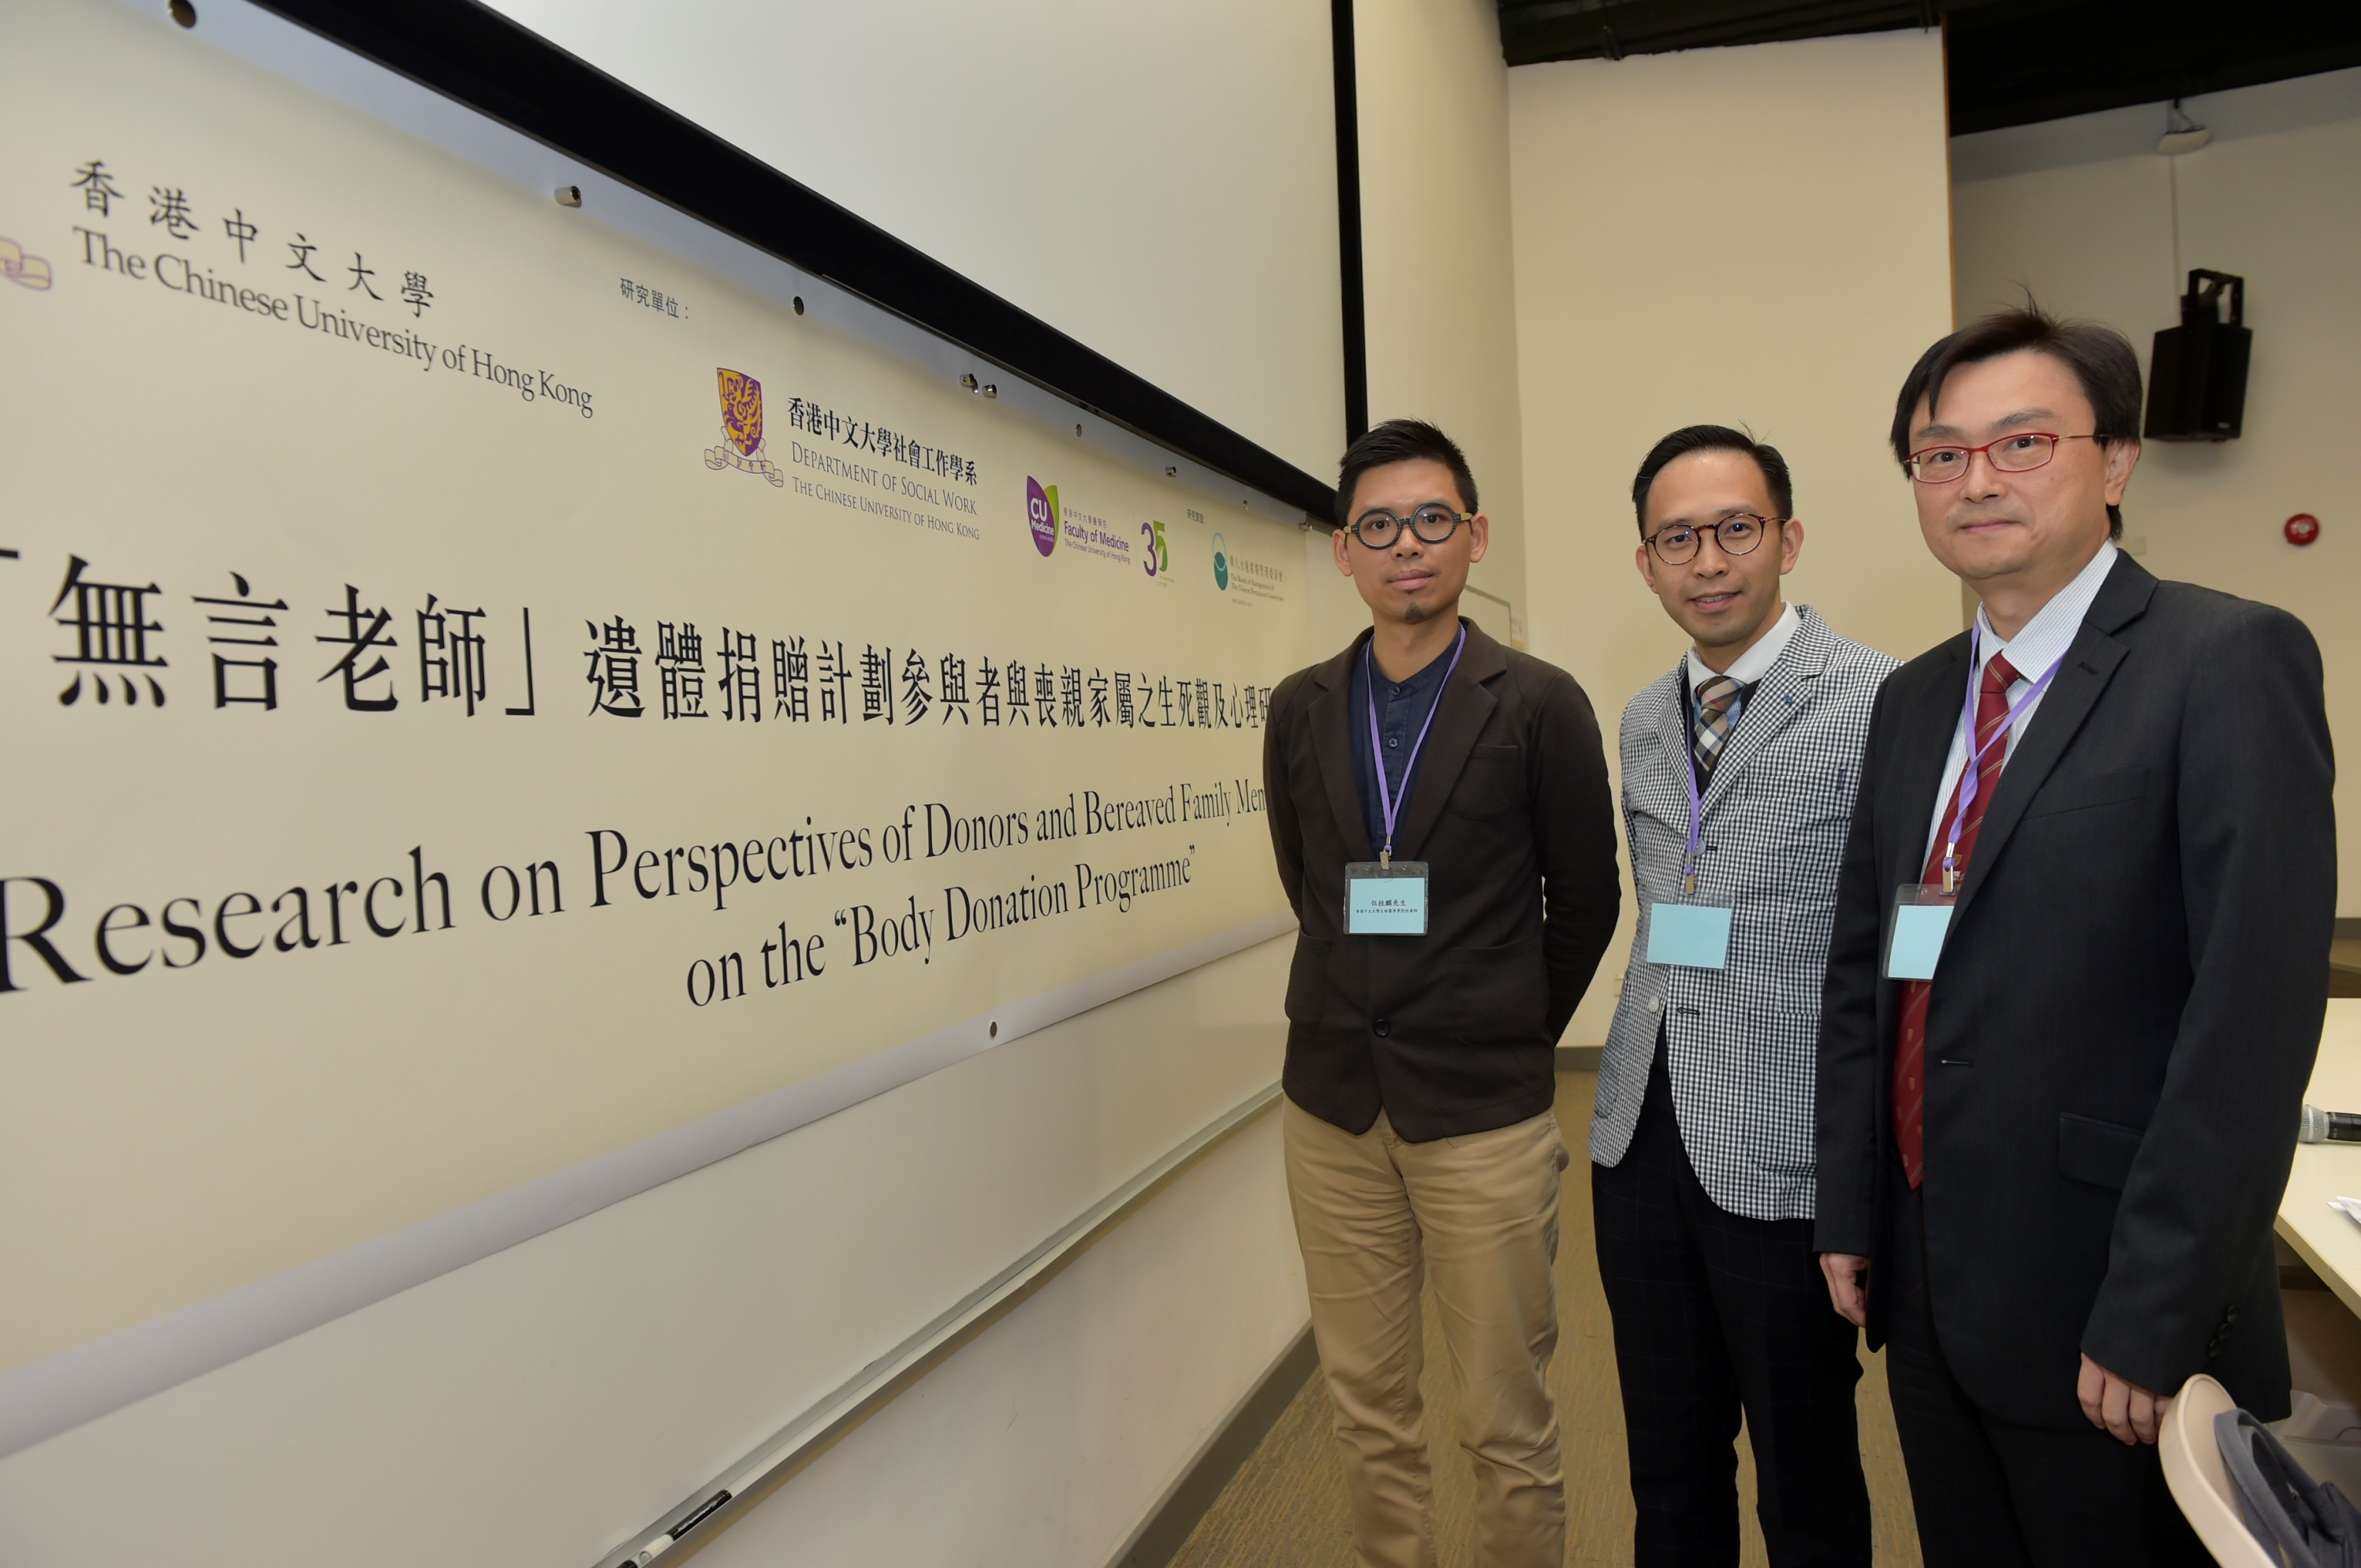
x: 1221, y: 564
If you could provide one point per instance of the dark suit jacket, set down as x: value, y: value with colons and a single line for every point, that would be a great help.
x: 1454, y: 1032
x: 2126, y: 1010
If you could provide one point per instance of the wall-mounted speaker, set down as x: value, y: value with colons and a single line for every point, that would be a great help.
x: 2197, y: 375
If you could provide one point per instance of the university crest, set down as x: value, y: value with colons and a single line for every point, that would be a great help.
x: 31, y: 271
x: 741, y: 428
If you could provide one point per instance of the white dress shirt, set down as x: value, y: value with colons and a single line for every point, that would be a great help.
x: 2041, y: 643
x: 1752, y: 665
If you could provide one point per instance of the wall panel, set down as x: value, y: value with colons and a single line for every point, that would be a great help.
x: 1755, y: 236
x: 2080, y: 215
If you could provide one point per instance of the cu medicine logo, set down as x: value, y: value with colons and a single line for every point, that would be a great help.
x: 1041, y: 513
x: 1085, y: 532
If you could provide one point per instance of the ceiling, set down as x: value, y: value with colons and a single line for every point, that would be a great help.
x: 2011, y: 62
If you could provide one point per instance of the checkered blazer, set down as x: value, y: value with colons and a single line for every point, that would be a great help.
x: 1741, y: 1040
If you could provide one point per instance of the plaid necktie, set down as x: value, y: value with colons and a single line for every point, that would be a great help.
x: 1910, y: 1040
x: 1715, y: 699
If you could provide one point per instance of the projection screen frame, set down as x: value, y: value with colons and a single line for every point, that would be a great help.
x: 488, y: 63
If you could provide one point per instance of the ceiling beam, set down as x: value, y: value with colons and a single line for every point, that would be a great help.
x: 2011, y: 61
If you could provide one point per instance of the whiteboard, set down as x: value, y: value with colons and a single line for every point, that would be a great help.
x: 551, y: 1401
x: 239, y: 1114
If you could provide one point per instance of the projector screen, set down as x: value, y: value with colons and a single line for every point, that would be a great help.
x: 1158, y: 181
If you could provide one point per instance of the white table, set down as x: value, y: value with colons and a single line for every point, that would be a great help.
x: 2323, y: 1238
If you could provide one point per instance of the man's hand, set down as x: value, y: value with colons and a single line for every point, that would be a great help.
x: 2125, y: 1409
x: 1849, y: 1287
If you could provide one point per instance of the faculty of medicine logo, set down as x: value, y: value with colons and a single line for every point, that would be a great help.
x: 1041, y: 513
x: 741, y: 428
x: 1221, y: 563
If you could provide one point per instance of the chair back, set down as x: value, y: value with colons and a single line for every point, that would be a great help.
x: 2193, y: 1469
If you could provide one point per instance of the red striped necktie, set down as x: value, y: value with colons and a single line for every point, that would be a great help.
x: 1910, y: 1043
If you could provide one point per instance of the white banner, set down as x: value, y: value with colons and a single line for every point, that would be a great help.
x: 483, y: 692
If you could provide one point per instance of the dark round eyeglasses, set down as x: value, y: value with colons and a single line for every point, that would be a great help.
x: 1739, y: 534
x: 1432, y: 524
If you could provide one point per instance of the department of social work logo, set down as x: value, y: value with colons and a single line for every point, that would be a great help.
x: 1041, y: 513
x: 741, y: 428
x: 1221, y: 563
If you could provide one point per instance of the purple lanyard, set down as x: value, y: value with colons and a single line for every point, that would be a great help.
x: 1968, y: 780
x: 1386, y: 795
x: 1697, y: 801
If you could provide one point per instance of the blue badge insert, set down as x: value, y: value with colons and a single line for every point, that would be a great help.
x: 1690, y: 936
x: 1383, y: 900
x: 1693, y: 936
x: 1914, y: 936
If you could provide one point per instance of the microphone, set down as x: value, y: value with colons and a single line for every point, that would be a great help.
x: 2328, y: 1127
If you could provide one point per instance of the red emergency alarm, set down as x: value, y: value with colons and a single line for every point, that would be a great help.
x: 2302, y: 528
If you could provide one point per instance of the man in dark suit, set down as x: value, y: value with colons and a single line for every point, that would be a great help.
x: 1440, y: 811
x: 2101, y: 825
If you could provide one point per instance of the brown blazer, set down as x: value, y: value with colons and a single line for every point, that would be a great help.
x: 1454, y: 1032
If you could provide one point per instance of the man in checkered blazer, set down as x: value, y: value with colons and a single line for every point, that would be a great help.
x: 1702, y: 1142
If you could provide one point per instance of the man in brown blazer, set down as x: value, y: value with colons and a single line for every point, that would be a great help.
x: 1444, y: 827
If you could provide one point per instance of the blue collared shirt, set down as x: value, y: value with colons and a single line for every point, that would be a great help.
x: 1402, y: 708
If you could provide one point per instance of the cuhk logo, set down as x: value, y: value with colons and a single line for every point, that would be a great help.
x: 1221, y: 563
x: 1041, y: 512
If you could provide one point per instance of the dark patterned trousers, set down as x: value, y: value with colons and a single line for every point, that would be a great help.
x: 1716, y: 1314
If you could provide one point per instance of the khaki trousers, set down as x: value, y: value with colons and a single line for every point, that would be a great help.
x: 1372, y: 1213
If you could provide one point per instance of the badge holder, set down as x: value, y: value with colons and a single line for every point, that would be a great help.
x: 1385, y: 898
x: 1915, y: 930
x: 1692, y: 936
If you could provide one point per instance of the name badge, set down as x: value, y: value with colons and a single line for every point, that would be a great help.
x: 1914, y: 936
x: 1694, y: 936
x: 1385, y: 901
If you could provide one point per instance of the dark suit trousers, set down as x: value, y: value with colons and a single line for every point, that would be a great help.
x: 1715, y: 1314
x: 1988, y: 1492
